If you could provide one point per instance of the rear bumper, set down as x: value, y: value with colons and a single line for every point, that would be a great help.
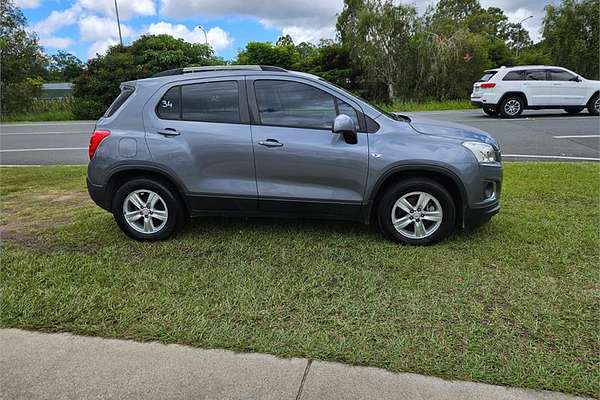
x: 477, y: 103
x: 98, y: 195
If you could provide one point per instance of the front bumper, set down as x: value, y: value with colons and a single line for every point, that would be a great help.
x: 477, y: 214
x: 475, y: 217
x: 98, y: 195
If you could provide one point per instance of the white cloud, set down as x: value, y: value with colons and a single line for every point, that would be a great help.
x: 127, y: 8
x: 217, y: 38
x: 27, y: 3
x: 94, y: 28
x: 56, y: 21
x: 56, y: 42
x: 100, y: 47
x: 301, y: 19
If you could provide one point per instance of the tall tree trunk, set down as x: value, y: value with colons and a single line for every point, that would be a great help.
x: 391, y: 93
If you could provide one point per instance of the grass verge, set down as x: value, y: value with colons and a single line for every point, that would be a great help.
x: 64, y: 115
x: 428, y: 106
x: 514, y: 303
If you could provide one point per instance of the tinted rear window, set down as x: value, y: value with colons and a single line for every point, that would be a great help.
x: 121, y: 98
x: 539, y: 75
x: 486, y: 77
x: 204, y: 102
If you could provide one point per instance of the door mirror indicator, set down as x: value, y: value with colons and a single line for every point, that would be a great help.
x: 345, y: 126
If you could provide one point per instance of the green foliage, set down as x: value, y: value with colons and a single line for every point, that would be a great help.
x: 64, y: 67
x: 282, y: 55
x: 21, y: 58
x: 98, y: 84
x: 571, y: 36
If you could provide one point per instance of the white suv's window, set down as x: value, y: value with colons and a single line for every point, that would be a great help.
x: 487, y: 76
x: 560, y: 75
x: 514, y: 76
x: 536, y: 75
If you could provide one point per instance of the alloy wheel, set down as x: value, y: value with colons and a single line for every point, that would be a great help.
x: 417, y: 215
x: 512, y: 107
x: 145, y: 211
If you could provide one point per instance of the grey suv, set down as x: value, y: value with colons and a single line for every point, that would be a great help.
x: 260, y: 140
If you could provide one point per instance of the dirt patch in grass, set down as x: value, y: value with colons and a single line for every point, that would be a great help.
x: 27, y: 219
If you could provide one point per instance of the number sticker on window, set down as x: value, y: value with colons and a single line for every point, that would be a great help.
x: 166, y: 104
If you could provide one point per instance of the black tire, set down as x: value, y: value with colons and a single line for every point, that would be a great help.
x: 511, y: 103
x: 169, y: 201
x: 490, y: 111
x: 594, y: 105
x: 574, y: 110
x: 386, y: 206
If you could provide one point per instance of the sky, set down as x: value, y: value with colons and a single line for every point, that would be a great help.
x: 88, y: 27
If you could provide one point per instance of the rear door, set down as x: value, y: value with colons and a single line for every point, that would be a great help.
x: 537, y: 87
x: 199, y: 131
x: 566, y: 91
x: 301, y: 165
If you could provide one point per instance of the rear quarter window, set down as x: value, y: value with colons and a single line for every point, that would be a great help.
x: 486, y: 77
x: 126, y: 92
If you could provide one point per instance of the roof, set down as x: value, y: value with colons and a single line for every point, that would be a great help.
x: 187, y: 70
x: 519, y: 67
x: 57, y: 86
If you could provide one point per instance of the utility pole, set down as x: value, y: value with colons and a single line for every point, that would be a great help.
x: 118, y: 24
x: 520, y: 34
x: 203, y: 31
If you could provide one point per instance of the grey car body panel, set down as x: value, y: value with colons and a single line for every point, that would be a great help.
x: 220, y: 168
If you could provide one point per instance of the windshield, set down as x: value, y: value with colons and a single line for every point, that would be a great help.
x: 379, y: 109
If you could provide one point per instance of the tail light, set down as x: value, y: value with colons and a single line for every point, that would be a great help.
x: 488, y: 85
x: 97, y: 137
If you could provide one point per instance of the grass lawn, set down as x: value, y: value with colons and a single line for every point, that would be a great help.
x: 412, y: 106
x: 514, y: 303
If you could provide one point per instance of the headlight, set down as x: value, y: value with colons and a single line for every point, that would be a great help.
x: 483, y: 152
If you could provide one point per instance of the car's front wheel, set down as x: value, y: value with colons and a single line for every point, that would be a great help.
x: 416, y: 212
x: 574, y: 110
x: 146, y: 209
x: 511, y: 107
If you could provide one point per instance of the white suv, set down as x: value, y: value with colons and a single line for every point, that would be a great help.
x: 508, y: 91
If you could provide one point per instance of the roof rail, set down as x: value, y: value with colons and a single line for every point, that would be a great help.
x: 187, y: 70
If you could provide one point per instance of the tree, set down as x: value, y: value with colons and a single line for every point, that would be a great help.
x: 571, y: 33
x: 21, y: 58
x: 380, y: 35
x: 64, y: 67
x: 283, y: 54
x: 98, y: 84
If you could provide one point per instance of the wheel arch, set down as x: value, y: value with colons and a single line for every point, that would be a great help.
x: 514, y: 93
x: 120, y: 175
x: 597, y: 92
x: 448, y: 179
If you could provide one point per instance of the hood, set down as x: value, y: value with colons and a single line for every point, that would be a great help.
x: 451, y: 130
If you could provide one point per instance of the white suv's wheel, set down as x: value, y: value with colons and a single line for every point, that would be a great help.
x: 511, y: 107
x: 594, y: 105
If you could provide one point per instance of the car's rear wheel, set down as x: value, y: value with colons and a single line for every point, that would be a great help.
x: 594, y: 105
x: 146, y: 209
x: 416, y: 212
x: 490, y: 111
x: 574, y: 110
x: 511, y: 107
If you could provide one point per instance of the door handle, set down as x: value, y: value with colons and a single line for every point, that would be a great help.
x: 168, y: 132
x: 270, y: 143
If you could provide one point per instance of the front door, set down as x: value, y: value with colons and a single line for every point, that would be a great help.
x: 301, y: 165
x: 566, y: 90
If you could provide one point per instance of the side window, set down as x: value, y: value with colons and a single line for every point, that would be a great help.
x: 345, y: 108
x: 121, y: 98
x: 514, y: 76
x: 560, y: 75
x: 211, y: 102
x: 294, y: 104
x: 536, y: 75
x: 169, y: 107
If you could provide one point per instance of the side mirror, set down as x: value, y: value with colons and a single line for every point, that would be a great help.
x: 344, y: 125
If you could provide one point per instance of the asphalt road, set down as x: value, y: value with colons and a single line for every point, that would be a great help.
x: 537, y: 135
